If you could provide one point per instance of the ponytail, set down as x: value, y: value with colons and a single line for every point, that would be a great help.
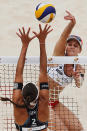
x: 7, y: 99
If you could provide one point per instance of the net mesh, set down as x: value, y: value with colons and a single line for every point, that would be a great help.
x: 60, y: 118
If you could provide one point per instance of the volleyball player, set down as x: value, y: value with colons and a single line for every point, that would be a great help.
x: 62, y: 75
x: 29, y: 111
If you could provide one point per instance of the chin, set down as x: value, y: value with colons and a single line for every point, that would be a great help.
x: 72, y: 54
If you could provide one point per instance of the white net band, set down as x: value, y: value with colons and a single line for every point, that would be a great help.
x: 51, y: 60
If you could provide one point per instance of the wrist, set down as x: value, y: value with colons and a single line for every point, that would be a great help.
x: 24, y: 46
x: 42, y: 42
x: 72, y: 23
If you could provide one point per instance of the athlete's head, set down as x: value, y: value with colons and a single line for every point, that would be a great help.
x: 30, y: 93
x: 74, y: 45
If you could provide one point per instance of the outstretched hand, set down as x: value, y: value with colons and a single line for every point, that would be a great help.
x: 70, y: 17
x: 25, y: 38
x: 43, y: 33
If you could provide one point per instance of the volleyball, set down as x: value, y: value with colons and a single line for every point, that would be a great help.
x: 45, y: 12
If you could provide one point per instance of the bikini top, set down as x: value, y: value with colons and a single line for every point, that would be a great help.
x: 32, y: 123
x: 58, y: 75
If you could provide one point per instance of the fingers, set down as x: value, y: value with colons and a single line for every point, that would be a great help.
x: 23, y: 30
x: 50, y: 31
x: 20, y: 32
x: 68, y: 12
x: 69, y: 15
x: 40, y: 28
x: 33, y: 37
x: 28, y: 31
x: 18, y: 35
x: 35, y: 33
x: 47, y: 28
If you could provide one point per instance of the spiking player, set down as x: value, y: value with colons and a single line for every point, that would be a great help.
x: 62, y: 75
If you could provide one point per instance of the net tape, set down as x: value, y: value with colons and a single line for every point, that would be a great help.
x: 51, y: 60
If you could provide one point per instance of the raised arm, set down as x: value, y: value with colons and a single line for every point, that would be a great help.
x: 59, y: 49
x: 43, y: 58
x: 43, y: 113
x: 21, y: 61
x: 20, y: 65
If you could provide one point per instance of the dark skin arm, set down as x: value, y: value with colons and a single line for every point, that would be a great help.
x: 17, y: 94
x: 20, y: 65
x: 21, y: 61
x: 43, y: 57
x: 43, y: 94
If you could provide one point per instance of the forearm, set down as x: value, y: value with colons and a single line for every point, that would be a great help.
x: 59, y: 49
x: 44, y: 93
x: 43, y: 64
x: 68, y: 30
x: 20, y: 65
x: 43, y: 58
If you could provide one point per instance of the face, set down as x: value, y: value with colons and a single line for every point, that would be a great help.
x: 73, y: 48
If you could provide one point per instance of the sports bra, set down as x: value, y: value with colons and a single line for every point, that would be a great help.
x: 58, y: 75
x: 32, y: 123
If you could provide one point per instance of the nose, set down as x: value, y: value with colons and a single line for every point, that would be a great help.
x: 72, y: 47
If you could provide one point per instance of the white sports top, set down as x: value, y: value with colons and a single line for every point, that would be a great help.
x: 58, y: 75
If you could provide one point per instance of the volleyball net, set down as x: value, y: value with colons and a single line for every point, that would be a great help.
x: 68, y: 105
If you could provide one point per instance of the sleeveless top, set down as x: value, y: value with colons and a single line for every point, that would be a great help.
x: 32, y: 123
x: 58, y: 75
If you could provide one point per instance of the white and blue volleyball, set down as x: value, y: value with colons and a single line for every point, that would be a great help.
x: 45, y: 12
